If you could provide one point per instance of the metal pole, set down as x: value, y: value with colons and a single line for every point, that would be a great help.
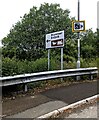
x: 78, y: 16
x: 48, y: 59
x: 61, y: 61
x: 78, y: 61
x: 78, y: 9
x: 61, y: 58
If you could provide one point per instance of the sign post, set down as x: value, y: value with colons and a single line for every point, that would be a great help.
x: 48, y: 59
x: 55, y: 40
x: 61, y: 58
x: 78, y: 61
x: 78, y: 26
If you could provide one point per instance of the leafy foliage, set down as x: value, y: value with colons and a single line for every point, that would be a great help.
x: 24, y: 47
x: 12, y: 66
x: 26, y: 39
x: 88, y: 45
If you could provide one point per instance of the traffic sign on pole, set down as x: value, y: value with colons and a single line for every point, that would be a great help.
x: 55, y: 39
x: 78, y: 26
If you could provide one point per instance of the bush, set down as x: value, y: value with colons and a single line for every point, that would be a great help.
x: 9, y: 67
x: 98, y: 66
x: 88, y: 63
x: 98, y: 63
x: 12, y: 67
x: 38, y: 66
x: 23, y: 67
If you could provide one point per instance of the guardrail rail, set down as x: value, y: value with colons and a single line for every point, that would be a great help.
x: 32, y: 77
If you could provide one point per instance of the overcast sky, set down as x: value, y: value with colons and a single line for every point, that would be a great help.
x: 11, y: 10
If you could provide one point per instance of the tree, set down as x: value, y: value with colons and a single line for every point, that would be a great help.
x: 88, y: 45
x: 26, y: 39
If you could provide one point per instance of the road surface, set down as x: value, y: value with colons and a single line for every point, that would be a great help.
x: 49, y: 100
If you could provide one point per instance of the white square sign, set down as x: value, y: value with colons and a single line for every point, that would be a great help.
x: 55, y: 39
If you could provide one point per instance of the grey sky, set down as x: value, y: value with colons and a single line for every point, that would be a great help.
x: 11, y: 10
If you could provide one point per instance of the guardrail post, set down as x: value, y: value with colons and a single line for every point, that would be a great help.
x: 91, y: 77
x: 25, y: 87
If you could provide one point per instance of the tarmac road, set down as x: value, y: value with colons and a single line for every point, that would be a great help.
x: 49, y: 100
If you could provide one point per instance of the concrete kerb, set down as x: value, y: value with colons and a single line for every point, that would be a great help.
x: 70, y: 107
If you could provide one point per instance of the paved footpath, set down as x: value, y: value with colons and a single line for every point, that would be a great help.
x: 49, y: 100
x: 88, y: 111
